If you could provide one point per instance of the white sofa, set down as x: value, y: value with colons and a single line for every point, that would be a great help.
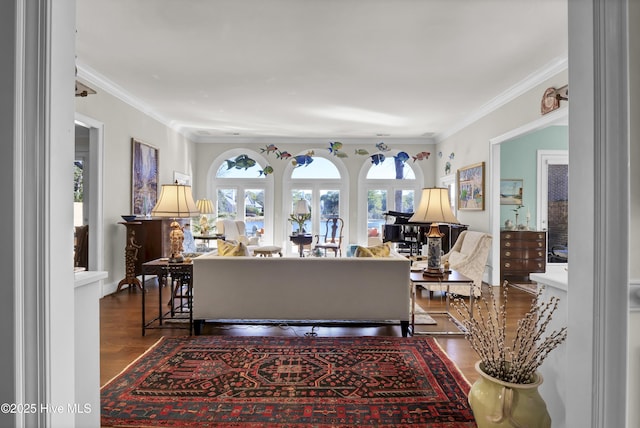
x: 301, y: 289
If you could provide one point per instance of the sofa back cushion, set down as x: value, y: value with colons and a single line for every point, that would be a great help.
x: 383, y: 250
x: 232, y: 249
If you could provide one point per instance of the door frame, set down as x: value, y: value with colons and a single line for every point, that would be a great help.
x: 558, y: 117
x: 96, y: 180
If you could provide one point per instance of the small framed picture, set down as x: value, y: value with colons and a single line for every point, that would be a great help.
x: 144, y: 177
x: 511, y: 191
x: 471, y: 187
x: 181, y: 178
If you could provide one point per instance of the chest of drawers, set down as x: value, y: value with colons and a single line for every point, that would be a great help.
x: 522, y: 252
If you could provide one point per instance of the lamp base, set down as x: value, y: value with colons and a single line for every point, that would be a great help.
x: 176, y: 258
x: 433, y: 273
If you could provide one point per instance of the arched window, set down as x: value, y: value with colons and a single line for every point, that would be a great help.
x: 241, y: 187
x: 323, y: 183
x: 390, y: 182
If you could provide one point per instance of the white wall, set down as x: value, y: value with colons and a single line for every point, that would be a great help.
x: 121, y: 123
x: 471, y: 144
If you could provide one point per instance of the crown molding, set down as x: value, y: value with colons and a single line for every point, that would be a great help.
x: 534, y: 79
x: 309, y: 140
x: 93, y: 77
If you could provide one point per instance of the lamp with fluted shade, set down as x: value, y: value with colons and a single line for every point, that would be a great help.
x: 434, y: 208
x: 205, y: 206
x: 176, y: 201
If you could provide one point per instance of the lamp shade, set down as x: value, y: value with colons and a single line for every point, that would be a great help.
x: 175, y: 201
x: 302, y: 207
x: 434, y: 207
x: 205, y: 206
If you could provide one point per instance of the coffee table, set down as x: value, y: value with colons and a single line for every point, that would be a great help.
x: 445, y: 280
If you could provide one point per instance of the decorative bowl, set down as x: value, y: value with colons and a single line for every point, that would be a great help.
x: 128, y: 217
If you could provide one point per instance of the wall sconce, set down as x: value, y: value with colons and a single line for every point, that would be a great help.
x: 552, y: 97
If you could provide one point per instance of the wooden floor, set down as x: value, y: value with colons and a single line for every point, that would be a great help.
x: 121, y: 340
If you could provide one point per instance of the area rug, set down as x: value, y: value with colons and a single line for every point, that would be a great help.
x: 233, y: 381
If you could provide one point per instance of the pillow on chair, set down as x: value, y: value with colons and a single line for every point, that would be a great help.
x: 232, y: 249
x: 383, y: 250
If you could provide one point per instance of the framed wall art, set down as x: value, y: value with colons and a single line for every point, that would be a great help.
x: 471, y: 187
x: 181, y: 178
x: 511, y: 191
x: 144, y: 177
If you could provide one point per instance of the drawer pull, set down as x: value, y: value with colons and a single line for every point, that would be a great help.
x: 540, y: 253
x: 507, y: 244
x: 540, y: 265
x: 507, y: 265
x: 508, y: 253
x: 540, y: 244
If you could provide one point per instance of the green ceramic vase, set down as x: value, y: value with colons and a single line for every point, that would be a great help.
x: 499, y: 404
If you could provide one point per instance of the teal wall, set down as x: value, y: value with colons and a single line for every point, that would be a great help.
x: 518, y: 160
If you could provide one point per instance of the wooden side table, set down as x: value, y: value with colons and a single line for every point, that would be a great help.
x: 301, y: 240
x: 179, y: 278
x: 207, y: 238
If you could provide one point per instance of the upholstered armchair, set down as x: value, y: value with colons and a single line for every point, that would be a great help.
x: 468, y: 256
x: 235, y: 230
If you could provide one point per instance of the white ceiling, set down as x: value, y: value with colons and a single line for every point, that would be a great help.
x: 317, y: 68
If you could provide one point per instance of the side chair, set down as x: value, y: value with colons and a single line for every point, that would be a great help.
x: 332, y: 238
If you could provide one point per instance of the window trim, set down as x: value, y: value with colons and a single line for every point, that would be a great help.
x: 241, y: 185
x: 390, y: 185
x: 316, y: 185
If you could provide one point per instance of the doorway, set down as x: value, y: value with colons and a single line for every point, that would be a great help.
x: 89, y: 163
x: 553, y: 202
x: 556, y: 118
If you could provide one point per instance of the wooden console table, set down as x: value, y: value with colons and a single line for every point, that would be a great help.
x: 147, y: 239
x: 179, y: 278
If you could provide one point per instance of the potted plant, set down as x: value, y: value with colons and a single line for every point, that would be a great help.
x: 506, y: 394
x: 301, y: 214
x: 299, y: 219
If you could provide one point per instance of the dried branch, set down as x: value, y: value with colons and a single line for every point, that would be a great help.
x: 486, y: 332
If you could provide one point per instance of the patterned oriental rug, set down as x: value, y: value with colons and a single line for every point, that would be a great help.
x: 233, y: 381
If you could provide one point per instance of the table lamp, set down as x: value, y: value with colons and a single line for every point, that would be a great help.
x: 175, y: 202
x: 301, y: 213
x: 434, y: 208
x: 205, y: 206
